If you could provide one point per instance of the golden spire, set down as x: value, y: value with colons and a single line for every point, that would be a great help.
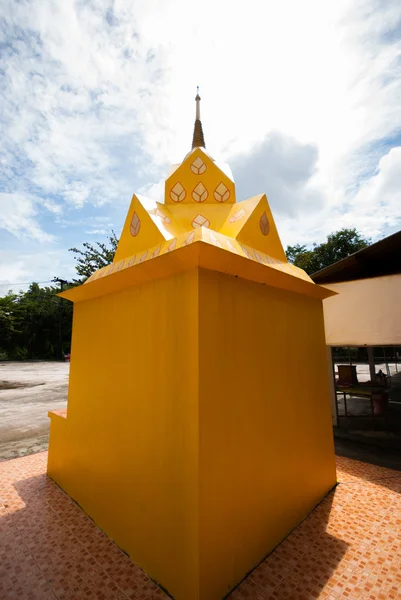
x: 198, y: 141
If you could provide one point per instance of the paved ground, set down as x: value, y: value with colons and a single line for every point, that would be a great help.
x: 28, y: 390
x: 349, y: 547
x: 363, y: 373
x: 369, y: 453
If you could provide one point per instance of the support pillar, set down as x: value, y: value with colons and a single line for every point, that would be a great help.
x: 371, y: 360
x: 332, y: 383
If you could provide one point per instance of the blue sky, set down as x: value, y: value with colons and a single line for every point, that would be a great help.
x: 97, y: 99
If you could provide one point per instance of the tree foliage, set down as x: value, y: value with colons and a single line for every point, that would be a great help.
x: 34, y: 324
x: 37, y: 323
x: 94, y: 256
x: 338, y: 245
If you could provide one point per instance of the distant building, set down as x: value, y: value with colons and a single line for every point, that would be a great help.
x: 367, y: 308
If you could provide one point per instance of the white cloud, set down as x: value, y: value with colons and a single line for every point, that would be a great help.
x: 51, y: 206
x: 98, y: 231
x: 282, y: 166
x: 155, y: 191
x: 18, y: 214
x: 97, y: 99
x: 20, y: 268
x: 374, y: 208
x: 377, y: 203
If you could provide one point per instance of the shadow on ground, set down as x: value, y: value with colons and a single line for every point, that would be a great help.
x: 49, y: 547
x: 301, y: 566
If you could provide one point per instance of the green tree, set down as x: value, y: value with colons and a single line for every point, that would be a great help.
x: 94, y: 256
x: 337, y: 246
x: 31, y: 323
x: 37, y: 323
x: 9, y: 327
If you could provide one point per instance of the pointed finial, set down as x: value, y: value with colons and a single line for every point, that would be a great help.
x: 198, y: 140
x: 197, y: 100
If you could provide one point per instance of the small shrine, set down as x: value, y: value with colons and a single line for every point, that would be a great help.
x: 198, y: 428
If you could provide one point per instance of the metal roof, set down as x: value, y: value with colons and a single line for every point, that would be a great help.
x: 378, y: 259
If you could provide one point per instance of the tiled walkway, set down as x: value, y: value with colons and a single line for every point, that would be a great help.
x: 349, y: 547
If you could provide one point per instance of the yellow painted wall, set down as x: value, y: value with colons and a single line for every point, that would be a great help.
x: 128, y: 450
x: 265, y: 443
x: 200, y: 433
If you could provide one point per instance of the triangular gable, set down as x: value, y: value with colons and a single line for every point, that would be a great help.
x: 198, y: 180
x: 251, y: 222
x: 148, y: 223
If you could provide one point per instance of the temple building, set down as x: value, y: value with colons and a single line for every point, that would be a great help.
x: 184, y: 439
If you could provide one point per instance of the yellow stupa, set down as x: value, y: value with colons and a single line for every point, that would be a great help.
x: 198, y: 430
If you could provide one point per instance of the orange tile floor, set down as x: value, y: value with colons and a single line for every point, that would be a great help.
x: 348, y: 547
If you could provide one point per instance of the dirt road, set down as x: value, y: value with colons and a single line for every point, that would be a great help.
x: 27, y: 392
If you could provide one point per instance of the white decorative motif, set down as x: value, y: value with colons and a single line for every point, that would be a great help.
x: 131, y: 261
x: 215, y: 241
x: 247, y: 251
x: 264, y: 224
x: 120, y: 265
x: 143, y: 257
x: 200, y: 221
x: 231, y: 246
x: 199, y: 194
x: 257, y: 256
x: 158, y: 213
x: 198, y: 166
x: 172, y: 245
x: 189, y: 239
x: 221, y: 193
x: 177, y: 193
x: 135, y: 225
x: 237, y: 215
x: 156, y: 252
